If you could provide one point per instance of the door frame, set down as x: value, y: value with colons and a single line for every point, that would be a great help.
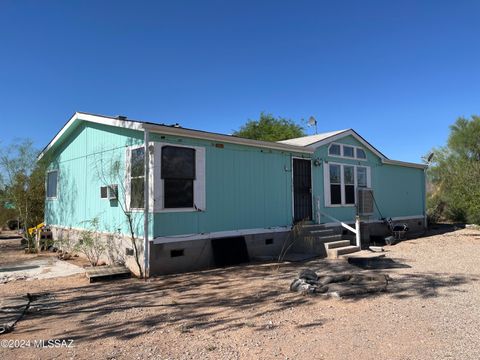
x: 293, y: 186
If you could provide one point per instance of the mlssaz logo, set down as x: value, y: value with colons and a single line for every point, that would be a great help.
x: 54, y: 343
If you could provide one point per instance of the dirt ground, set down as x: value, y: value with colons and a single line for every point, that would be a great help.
x: 430, y: 311
x: 16, y: 265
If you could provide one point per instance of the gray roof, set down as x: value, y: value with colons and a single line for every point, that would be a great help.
x: 312, y: 139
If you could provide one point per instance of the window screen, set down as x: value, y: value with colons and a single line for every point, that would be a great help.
x: 178, y: 174
x: 335, y: 187
x: 52, y: 178
x: 137, y: 162
x: 137, y: 178
x: 361, y: 177
x: 349, y: 182
x: 178, y: 163
x: 103, y: 192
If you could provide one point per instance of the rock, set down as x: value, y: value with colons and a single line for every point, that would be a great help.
x: 295, y: 284
x: 308, y: 274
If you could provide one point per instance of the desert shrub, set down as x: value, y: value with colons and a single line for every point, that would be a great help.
x: 90, y: 243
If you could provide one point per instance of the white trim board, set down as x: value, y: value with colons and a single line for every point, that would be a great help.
x: 343, y: 134
x: 170, y: 130
x: 404, y: 163
x: 218, y: 234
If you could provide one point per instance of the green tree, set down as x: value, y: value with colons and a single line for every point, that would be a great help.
x: 269, y: 128
x: 23, y: 182
x: 455, y: 174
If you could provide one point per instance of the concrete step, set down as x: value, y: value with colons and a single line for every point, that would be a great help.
x: 108, y: 272
x: 315, y: 227
x: 322, y: 231
x: 336, y: 252
x: 336, y: 244
x: 362, y: 255
x: 329, y: 238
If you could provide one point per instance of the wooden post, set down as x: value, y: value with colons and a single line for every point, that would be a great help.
x: 357, y: 231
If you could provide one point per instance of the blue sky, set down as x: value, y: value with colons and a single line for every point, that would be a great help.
x: 397, y: 72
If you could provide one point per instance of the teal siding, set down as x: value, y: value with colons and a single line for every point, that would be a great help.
x: 246, y: 188
x: 398, y: 190
x: 87, y: 153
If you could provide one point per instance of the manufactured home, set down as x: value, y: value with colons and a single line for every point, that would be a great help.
x: 194, y: 199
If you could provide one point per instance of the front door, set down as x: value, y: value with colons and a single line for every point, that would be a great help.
x: 302, y: 190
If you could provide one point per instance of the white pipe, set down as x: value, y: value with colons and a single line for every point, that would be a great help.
x: 357, y: 231
x: 146, y: 205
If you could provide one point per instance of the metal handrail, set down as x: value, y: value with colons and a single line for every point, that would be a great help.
x: 356, y: 231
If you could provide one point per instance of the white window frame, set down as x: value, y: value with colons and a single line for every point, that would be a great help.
x: 341, y: 156
x: 199, y: 193
x: 326, y: 183
x: 335, y: 144
x: 128, y: 194
x: 46, y: 185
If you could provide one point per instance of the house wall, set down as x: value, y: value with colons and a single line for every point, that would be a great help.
x: 399, y: 191
x: 246, y: 188
x: 84, y: 161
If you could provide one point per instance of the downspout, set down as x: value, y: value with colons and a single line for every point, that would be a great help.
x: 146, y: 205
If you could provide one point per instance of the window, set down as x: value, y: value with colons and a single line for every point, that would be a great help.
x: 103, y: 192
x: 335, y: 185
x: 361, y: 154
x: 137, y: 178
x: 178, y: 174
x: 52, y: 182
x: 362, y: 177
x: 342, y: 181
x: 334, y: 149
x: 348, y: 151
x: 349, y: 183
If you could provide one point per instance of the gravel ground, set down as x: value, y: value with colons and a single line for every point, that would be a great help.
x: 429, y: 312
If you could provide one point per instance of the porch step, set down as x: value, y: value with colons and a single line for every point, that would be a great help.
x: 336, y: 244
x: 362, y: 255
x: 336, y: 252
x: 328, y: 238
x: 108, y: 272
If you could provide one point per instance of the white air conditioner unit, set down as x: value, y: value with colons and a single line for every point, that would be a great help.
x: 112, y: 192
x: 365, y: 201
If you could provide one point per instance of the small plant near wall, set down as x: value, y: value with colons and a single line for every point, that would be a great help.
x: 65, y: 244
x: 90, y: 243
x: 296, y: 234
x: 114, y: 249
x: 30, y: 242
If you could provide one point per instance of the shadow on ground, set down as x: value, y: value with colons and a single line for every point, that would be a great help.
x: 215, y: 300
